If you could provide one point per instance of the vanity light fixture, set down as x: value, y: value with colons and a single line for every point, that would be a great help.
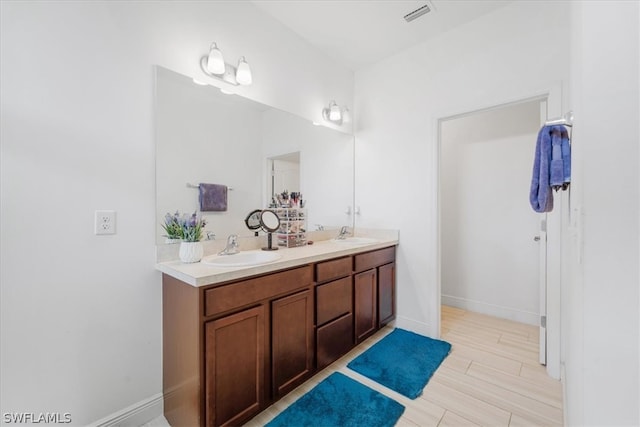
x: 335, y: 114
x: 213, y: 65
x: 346, y: 115
x: 215, y: 60
x: 243, y: 74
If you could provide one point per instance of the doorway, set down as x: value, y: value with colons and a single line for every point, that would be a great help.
x: 493, y: 258
x: 283, y: 174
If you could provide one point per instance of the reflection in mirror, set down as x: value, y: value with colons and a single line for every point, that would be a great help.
x: 253, y: 220
x: 283, y: 174
x: 204, y: 136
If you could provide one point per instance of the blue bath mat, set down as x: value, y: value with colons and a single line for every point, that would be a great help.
x: 341, y: 402
x: 402, y: 361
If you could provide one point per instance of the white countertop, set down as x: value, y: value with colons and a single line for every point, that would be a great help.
x: 200, y: 274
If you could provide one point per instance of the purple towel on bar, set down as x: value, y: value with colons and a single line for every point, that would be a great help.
x: 213, y: 197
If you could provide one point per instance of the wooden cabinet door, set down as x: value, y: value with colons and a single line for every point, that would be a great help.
x: 386, y: 294
x: 292, y: 340
x: 234, y: 367
x: 365, y: 310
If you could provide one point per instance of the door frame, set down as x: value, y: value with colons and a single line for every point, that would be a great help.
x: 555, y: 225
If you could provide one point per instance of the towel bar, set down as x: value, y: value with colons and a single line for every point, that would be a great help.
x: 198, y: 186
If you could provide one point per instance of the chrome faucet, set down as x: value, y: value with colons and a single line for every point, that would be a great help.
x: 211, y: 235
x: 319, y: 227
x: 344, y: 232
x: 232, y: 246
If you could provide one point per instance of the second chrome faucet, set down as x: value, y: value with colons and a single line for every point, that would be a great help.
x: 344, y: 232
x: 232, y: 246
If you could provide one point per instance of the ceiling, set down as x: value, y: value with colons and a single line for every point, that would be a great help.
x: 358, y: 33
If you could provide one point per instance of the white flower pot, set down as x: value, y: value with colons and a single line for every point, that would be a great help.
x: 191, y: 251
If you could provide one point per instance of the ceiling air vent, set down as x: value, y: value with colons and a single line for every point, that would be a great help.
x: 422, y: 10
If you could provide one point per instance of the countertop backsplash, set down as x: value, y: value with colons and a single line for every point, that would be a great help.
x: 169, y: 252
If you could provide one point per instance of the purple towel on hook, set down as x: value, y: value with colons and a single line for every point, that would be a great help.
x: 213, y: 197
x: 560, y: 173
x: 566, y: 160
x: 551, y: 167
x: 540, y: 195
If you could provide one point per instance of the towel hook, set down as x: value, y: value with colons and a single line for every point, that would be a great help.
x: 566, y: 120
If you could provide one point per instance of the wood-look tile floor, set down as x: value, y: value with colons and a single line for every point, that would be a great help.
x: 490, y: 378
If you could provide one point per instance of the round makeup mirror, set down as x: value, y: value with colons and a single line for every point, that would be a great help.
x: 270, y: 222
x: 253, y: 220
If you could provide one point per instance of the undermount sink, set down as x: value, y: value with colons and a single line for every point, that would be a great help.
x: 242, y: 259
x: 356, y: 240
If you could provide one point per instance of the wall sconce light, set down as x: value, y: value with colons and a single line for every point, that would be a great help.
x: 213, y: 65
x: 335, y: 114
x: 346, y: 115
x: 243, y: 73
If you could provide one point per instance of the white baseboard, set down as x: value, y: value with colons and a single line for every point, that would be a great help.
x: 492, y: 310
x: 135, y: 415
x: 414, y: 326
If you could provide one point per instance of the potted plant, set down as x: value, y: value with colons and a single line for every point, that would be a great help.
x: 191, y: 249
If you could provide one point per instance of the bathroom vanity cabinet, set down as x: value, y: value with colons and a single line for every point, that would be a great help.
x: 232, y: 349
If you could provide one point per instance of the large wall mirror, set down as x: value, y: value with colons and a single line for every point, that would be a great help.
x: 205, y: 136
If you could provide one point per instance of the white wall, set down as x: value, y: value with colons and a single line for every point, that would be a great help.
x: 601, y: 304
x: 490, y: 262
x: 518, y: 51
x: 81, y: 314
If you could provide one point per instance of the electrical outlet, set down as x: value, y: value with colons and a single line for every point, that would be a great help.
x: 105, y: 222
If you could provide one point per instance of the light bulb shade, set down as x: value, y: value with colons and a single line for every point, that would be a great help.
x: 243, y: 73
x: 334, y: 112
x: 215, y: 61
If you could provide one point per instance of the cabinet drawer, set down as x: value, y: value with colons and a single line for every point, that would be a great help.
x: 239, y: 294
x: 333, y: 299
x: 375, y: 258
x: 334, y: 340
x: 333, y: 269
